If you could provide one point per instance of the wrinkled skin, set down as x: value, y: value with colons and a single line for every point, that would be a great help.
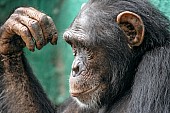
x: 115, y: 69
x: 27, y: 23
x: 20, y: 92
x: 88, y: 82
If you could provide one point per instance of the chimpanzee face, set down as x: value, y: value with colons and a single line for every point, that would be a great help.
x: 97, y: 42
x: 90, y: 65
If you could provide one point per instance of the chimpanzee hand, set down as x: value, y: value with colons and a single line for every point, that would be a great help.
x: 26, y: 27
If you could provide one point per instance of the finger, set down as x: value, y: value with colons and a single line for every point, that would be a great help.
x: 40, y: 17
x: 53, y: 30
x: 28, y: 11
x: 35, y: 30
x: 23, y: 31
x: 46, y: 23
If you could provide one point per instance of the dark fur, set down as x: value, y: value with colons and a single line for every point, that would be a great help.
x: 20, y: 90
x: 142, y: 83
x: 149, y: 92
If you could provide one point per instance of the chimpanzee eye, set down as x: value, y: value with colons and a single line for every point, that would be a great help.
x: 73, y: 47
x: 74, y: 50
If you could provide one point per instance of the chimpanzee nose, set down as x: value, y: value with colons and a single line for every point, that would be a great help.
x: 76, y: 68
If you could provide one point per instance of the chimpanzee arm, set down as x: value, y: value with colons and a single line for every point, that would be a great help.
x: 151, y: 90
x: 20, y: 92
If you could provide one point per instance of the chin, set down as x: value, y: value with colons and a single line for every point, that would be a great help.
x: 89, y: 99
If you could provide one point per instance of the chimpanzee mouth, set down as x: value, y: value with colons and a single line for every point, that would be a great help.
x: 79, y: 93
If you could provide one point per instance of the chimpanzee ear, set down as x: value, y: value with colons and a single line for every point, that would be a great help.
x: 133, y: 27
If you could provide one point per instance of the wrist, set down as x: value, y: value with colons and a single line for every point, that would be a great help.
x: 12, y: 63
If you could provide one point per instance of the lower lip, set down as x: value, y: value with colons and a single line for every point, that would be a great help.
x: 84, y: 92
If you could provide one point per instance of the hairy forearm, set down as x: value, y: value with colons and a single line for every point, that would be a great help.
x: 21, y: 91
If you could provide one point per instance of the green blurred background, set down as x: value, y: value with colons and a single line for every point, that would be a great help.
x: 53, y: 63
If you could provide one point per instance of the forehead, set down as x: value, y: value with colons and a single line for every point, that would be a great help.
x: 92, y: 24
x: 82, y: 19
x: 90, y: 14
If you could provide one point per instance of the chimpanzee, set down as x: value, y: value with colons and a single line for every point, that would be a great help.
x: 121, y: 64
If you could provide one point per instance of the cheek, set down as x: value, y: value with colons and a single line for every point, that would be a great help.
x: 91, y: 84
x: 94, y: 73
x: 88, y: 90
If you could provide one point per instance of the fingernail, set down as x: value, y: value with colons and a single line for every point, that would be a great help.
x: 55, y: 38
x: 54, y: 43
x: 32, y: 49
x: 41, y: 41
x: 39, y: 45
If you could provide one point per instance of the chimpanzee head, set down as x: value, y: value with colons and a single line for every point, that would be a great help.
x: 107, y: 39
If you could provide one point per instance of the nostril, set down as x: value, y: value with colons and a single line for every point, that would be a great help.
x: 75, y: 70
